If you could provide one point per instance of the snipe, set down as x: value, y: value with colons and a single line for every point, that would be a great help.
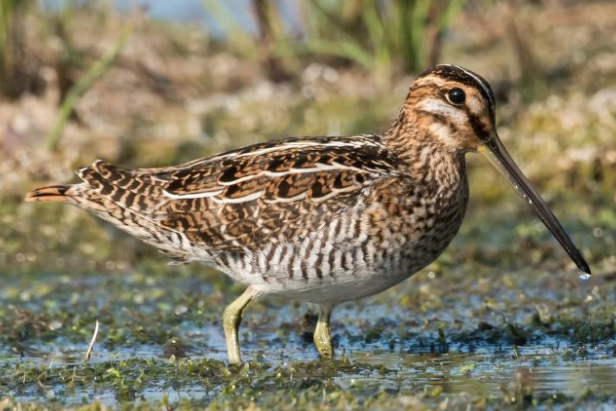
x: 324, y: 220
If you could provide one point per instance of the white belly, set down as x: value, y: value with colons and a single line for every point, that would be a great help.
x: 334, y: 290
x: 338, y: 284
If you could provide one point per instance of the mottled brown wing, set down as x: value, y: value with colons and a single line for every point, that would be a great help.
x: 268, y: 192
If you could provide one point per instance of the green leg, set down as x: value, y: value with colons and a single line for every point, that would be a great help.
x: 322, y: 336
x: 231, y: 319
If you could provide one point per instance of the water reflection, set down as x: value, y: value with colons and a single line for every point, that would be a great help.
x: 491, y: 374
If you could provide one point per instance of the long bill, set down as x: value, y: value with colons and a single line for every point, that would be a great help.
x: 496, y: 153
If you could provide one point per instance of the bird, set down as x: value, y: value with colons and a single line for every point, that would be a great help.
x: 323, y: 219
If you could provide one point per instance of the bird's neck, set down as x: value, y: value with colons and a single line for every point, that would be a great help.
x: 425, y: 158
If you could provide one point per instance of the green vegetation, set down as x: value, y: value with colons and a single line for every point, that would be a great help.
x: 380, y: 35
x: 82, y: 86
x: 500, y: 321
x: 14, y: 70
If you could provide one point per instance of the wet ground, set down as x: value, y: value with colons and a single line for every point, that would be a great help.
x: 500, y: 321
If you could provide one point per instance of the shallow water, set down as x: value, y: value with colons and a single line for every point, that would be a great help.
x: 386, y: 344
x: 489, y: 371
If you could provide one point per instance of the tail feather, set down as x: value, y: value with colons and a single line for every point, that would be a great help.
x: 114, y: 181
x: 57, y: 193
x: 129, y: 199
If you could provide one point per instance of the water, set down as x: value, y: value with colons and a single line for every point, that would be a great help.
x: 470, y: 331
x: 537, y: 369
x: 194, y: 12
x: 584, y: 276
x: 547, y: 369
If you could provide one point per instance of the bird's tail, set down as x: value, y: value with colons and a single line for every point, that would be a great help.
x: 57, y: 193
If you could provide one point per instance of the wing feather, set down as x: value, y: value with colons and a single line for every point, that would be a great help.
x: 249, y: 197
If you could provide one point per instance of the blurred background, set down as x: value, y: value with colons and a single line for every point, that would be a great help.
x: 152, y: 83
x: 148, y: 83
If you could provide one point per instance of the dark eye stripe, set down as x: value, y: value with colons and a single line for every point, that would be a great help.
x: 478, y: 127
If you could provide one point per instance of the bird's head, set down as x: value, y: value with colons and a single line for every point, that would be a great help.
x: 453, y: 108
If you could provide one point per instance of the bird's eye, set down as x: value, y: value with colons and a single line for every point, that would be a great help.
x: 456, y: 96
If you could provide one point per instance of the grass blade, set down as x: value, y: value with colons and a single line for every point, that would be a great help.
x: 84, y: 84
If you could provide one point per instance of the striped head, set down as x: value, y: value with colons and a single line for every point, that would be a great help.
x: 454, y: 106
x: 451, y: 109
